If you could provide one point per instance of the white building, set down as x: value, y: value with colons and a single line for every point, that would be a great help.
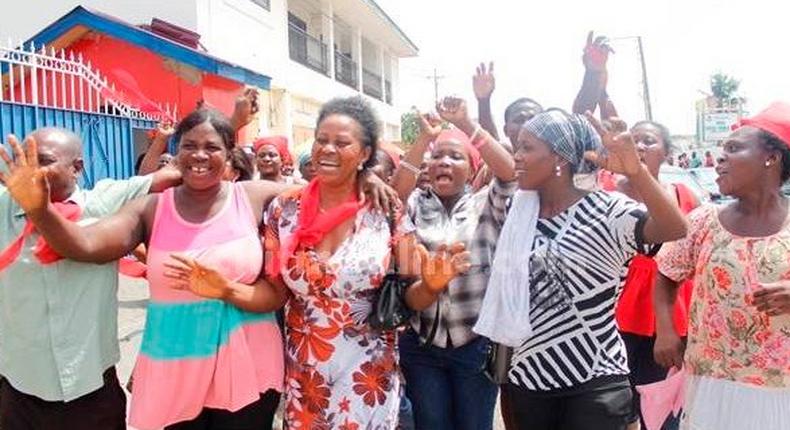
x: 312, y: 49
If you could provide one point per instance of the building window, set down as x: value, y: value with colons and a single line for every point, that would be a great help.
x: 263, y: 3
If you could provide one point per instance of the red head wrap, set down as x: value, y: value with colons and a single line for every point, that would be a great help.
x: 459, y: 136
x: 279, y: 142
x: 774, y: 119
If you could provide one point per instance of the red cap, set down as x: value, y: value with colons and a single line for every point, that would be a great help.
x: 774, y: 119
x: 279, y: 142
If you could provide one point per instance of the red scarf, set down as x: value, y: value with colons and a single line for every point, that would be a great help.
x: 42, y: 251
x: 312, y: 225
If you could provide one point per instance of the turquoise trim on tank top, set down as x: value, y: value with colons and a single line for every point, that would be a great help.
x: 175, y: 331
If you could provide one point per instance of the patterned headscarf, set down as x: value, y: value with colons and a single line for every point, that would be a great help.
x: 304, y: 157
x: 569, y: 136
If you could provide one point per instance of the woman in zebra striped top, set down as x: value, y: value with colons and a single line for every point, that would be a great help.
x: 570, y: 369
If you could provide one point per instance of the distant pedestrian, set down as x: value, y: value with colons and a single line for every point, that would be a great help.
x: 695, y: 161
x: 683, y: 161
x: 709, y: 161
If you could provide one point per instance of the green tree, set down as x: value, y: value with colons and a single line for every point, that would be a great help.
x: 409, y: 127
x: 725, y: 90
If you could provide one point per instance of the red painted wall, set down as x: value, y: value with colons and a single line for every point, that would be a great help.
x: 142, y: 76
x: 158, y: 79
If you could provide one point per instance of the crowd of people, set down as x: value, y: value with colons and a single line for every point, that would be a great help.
x: 549, y: 268
x: 694, y: 161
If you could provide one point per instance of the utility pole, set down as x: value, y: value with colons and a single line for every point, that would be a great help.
x: 645, y: 89
x: 435, y: 79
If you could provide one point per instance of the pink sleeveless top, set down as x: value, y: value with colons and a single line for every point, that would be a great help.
x: 201, y: 353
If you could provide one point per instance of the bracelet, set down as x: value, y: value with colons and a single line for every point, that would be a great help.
x: 476, y: 133
x: 410, y: 167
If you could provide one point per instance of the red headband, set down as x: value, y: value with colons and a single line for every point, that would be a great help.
x: 774, y: 119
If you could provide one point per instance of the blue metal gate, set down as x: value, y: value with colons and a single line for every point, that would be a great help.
x: 108, y: 140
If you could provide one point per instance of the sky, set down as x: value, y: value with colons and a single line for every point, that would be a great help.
x: 536, y: 49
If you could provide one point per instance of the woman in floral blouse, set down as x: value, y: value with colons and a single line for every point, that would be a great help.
x: 738, y: 352
x: 332, y: 254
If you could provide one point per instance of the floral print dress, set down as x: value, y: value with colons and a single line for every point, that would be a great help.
x: 340, y: 374
x: 738, y: 357
x: 728, y: 337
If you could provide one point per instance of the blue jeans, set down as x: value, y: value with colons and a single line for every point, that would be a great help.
x: 447, y: 386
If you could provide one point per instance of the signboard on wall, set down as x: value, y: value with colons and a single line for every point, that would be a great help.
x: 717, y: 126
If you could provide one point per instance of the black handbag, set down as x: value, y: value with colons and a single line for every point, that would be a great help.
x: 390, y: 310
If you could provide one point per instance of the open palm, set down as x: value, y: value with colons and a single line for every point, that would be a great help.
x: 442, y: 266
x: 203, y: 281
x: 483, y: 81
x: 25, y: 180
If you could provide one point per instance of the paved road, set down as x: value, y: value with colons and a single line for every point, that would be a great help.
x: 132, y: 299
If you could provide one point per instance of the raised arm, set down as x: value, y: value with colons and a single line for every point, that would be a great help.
x: 596, y: 53
x: 158, y: 147
x: 495, y: 156
x: 244, y: 110
x: 483, y: 84
x: 104, y: 241
x: 405, y: 177
x: 665, y: 221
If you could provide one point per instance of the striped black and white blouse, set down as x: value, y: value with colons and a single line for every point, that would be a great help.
x: 577, y: 268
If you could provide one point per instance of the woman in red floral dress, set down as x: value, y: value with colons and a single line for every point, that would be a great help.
x: 332, y: 254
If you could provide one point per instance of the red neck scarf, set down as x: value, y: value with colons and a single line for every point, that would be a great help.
x: 42, y: 251
x: 312, y: 225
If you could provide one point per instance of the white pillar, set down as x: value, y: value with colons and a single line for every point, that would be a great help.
x: 394, y: 78
x: 356, y: 53
x: 380, y: 62
x: 287, y: 116
x: 328, y: 31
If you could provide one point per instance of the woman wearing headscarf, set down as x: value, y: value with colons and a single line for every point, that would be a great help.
x: 558, y: 270
x: 635, y: 317
x: 271, y: 156
x: 738, y: 353
x: 306, y: 168
x: 440, y: 354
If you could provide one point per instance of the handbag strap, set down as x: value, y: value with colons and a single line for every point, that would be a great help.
x: 434, y: 327
x: 393, y: 242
